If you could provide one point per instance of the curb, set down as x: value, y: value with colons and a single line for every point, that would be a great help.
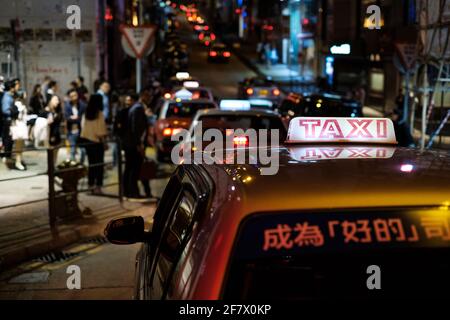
x: 57, y: 241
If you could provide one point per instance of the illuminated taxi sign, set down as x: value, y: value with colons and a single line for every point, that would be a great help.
x: 313, y: 153
x: 191, y: 84
x: 298, y: 233
x: 182, y: 75
x: 261, y: 103
x: 341, y: 130
x: 235, y: 105
x: 183, y: 94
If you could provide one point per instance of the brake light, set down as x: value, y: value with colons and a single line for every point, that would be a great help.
x: 206, y: 43
x: 227, y: 54
x: 201, y: 36
x: 197, y: 27
x: 276, y: 92
x: 213, y: 54
x: 167, y: 132
x: 206, y: 28
x: 240, y: 141
x: 213, y: 36
x: 250, y: 91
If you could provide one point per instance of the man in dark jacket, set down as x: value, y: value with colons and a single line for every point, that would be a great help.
x: 8, y: 115
x: 134, y: 144
x: 73, y: 111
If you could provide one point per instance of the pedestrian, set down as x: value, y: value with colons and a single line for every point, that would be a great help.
x: 73, y: 86
x: 37, y: 102
x: 19, y: 130
x: 44, y: 86
x: 73, y: 112
x: 267, y: 54
x: 51, y: 91
x: 9, y: 113
x: 402, y: 129
x: 82, y: 89
x: 99, y: 81
x: 94, y: 133
x: 53, y: 113
x: 103, y: 91
x: 134, y: 145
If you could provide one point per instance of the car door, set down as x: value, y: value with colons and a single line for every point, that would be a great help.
x: 174, y: 233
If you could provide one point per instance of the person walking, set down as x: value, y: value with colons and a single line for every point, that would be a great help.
x: 103, y: 91
x: 51, y: 91
x: 9, y: 113
x: 134, y: 144
x: 94, y: 133
x: 37, y: 102
x: 82, y: 89
x: 53, y: 113
x: 19, y: 130
x: 74, y: 109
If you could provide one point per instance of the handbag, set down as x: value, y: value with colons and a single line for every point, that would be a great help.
x: 148, y: 170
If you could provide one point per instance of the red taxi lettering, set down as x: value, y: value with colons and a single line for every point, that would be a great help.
x: 331, y: 225
x: 359, y: 128
x: 308, y: 235
x: 332, y: 153
x: 415, y: 236
x: 381, y: 153
x: 359, y: 153
x: 278, y: 238
x: 363, y: 227
x: 381, y: 128
x: 436, y: 227
x: 331, y: 130
x: 381, y: 229
x: 310, y: 127
x: 349, y: 231
x: 311, y: 154
x: 396, y: 227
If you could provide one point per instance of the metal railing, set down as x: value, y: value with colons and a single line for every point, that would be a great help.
x: 53, y: 173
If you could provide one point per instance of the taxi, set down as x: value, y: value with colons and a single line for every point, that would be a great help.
x: 173, y: 116
x: 347, y: 207
x: 260, y: 88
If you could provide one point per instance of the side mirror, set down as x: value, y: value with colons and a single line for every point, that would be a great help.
x: 126, y: 230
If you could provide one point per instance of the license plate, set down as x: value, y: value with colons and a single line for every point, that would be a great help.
x: 263, y: 92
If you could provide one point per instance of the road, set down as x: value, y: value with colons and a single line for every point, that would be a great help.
x: 107, y: 271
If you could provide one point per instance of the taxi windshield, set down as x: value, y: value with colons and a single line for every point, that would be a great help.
x: 327, y: 255
x: 233, y: 121
x: 186, y: 109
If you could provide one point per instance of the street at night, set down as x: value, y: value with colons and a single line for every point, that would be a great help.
x: 245, y: 151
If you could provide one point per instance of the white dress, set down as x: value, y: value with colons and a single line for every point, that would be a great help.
x: 19, y: 129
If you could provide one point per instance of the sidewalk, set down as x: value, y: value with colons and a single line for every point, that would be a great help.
x: 27, y: 234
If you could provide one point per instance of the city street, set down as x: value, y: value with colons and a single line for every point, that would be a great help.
x: 107, y: 270
x: 258, y: 150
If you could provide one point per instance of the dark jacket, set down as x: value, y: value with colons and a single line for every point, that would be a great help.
x: 68, y: 113
x: 137, y: 126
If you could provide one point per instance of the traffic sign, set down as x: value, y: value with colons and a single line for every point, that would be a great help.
x: 408, y: 54
x: 139, y: 39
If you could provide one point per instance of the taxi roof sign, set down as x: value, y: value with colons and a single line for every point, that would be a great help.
x: 235, y: 105
x: 191, y: 84
x: 182, y: 75
x: 341, y: 130
x: 183, y: 94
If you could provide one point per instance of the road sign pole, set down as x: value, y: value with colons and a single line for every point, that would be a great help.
x: 138, y: 75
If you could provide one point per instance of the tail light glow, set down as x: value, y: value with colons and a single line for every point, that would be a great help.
x: 276, y: 92
x: 227, y: 54
x: 201, y: 36
x: 213, y: 54
x: 250, y: 91
x: 240, y: 141
x: 213, y: 36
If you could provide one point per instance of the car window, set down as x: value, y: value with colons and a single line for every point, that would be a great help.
x: 297, y: 256
x: 171, y: 243
x: 224, y: 122
x: 186, y: 109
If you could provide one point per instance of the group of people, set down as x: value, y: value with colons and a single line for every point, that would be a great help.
x: 82, y: 121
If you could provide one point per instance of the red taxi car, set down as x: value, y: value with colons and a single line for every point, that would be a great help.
x: 175, y: 115
x: 345, y: 201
